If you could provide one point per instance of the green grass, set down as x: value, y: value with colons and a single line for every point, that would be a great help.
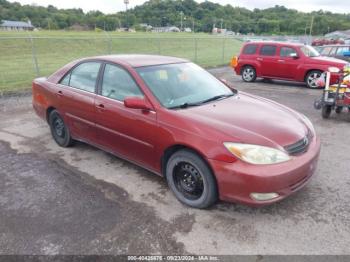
x: 56, y: 48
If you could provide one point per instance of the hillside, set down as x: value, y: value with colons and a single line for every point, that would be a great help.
x: 276, y: 20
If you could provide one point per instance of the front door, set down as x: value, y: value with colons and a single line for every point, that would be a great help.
x: 288, y: 63
x: 128, y: 132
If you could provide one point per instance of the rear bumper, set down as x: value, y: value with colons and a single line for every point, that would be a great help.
x: 236, y: 181
x: 237, y: 70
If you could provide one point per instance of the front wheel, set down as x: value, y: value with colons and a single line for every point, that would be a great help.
x: 311, y: 79
x: 326, y: 111
x: 191, y: 180
x: 59, y: 130
x: 248, y: 74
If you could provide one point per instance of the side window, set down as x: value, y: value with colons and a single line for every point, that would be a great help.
x: 250, y: 49
x: 84, y: 76
x: 268, y: 50
x: 326, y: 50
x: 118, y: 84
x: 287, y: 51
x: 342, y: 49
x: 65, y: 80
x: 333, y: 51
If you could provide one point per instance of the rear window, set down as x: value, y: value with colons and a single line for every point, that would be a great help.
x: 250, y: 49
x: 269, y: 50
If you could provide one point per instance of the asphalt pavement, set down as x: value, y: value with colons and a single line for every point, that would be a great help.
x: 82, y: 200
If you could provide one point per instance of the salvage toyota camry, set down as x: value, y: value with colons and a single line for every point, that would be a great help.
x: 175, y: 119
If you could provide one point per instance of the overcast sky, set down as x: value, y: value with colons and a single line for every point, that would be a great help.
x: 112, y: 6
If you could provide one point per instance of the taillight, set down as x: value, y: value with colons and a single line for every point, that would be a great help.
x: 234, y: 61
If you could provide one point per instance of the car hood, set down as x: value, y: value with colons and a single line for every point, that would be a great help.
x: 325, y: 60
x: 249, y: 119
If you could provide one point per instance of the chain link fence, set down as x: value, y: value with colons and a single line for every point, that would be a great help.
x: 24, y: 58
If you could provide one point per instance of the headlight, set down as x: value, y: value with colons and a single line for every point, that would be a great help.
x: 333, y: 69
x: 258, y: 155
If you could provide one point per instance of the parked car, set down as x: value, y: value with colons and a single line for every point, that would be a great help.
x: 336, y: 51
x: 280, y: 60
x: 175, y: 119
x: 323, y: 41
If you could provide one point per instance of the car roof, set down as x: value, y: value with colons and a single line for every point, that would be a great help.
x: 138, y: 60
x: 275, y: 42
x: 335, y: 45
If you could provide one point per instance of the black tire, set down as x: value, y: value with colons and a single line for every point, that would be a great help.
x: 59, y: 130
x: 338, y: 109
x: 191, y: 180
x: 248, y: 74
x: 326, y: 111
x: 311, y: 77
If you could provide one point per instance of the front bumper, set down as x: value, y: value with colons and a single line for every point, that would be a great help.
x: 236, y: 181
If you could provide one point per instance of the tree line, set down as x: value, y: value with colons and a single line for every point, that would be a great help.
x: 200, y: 16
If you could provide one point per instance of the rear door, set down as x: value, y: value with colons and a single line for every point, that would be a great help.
x: 268, y: 60
x: 125, y: 131
x: 77, y: 96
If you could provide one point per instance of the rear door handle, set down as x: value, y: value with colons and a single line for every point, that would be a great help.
x: 259, y: 59
x: 281, y: 61
x: 60, y: 93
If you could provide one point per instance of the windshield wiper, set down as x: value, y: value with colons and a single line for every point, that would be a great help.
x: 184, y: 105
x: 214, y: 98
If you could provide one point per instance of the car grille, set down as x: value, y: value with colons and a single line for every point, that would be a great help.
x: 300, y: 146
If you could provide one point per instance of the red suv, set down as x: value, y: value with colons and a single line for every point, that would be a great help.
x: 286, y: 61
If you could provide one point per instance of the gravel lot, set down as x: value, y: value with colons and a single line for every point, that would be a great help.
x: 82, y: 200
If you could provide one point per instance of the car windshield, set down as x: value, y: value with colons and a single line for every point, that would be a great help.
x: 183, y: 85
x: 309, y: 51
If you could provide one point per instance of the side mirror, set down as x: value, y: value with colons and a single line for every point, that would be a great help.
x: 294, y: 55
x: 137, y: 103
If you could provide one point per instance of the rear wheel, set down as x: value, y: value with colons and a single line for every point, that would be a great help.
x: 59, y: 130
x: 191, y: 180
x: 326, y: 111
x: 311, y: 79
x: 248, y: 74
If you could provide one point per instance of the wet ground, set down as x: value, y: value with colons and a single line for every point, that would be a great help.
x: 82, y: 200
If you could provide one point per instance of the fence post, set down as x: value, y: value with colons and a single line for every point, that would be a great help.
x: 223, y: 50
x: 159, y: 46
x: 195, y: 50
x: 34, y: 56
x: 109, y: 40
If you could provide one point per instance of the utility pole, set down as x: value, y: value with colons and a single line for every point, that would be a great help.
x: 222, y: 20
x: 312, y: 24
x: 126, y: 2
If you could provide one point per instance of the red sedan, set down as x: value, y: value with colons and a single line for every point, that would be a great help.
x: 175, y: 119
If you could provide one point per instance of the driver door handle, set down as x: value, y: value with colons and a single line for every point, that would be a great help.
x: 259, y: 59
x: 101, y: 107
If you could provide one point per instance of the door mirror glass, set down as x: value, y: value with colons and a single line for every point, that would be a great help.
x: 294, y: 55
x: 137, y: 103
